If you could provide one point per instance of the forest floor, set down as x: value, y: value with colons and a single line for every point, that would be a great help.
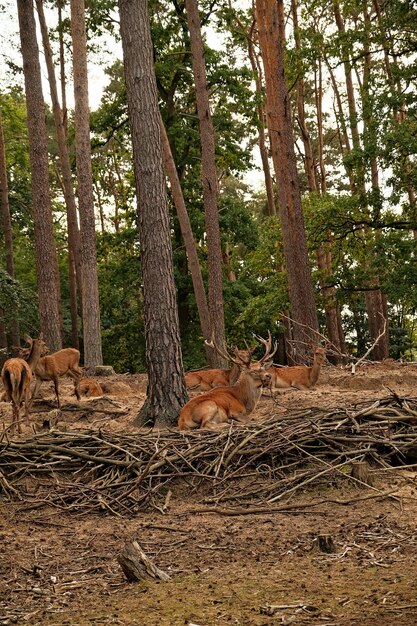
x: 60, y: 568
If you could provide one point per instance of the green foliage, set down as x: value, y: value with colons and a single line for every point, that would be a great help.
x: 17, y: 300
x: 120, y: 300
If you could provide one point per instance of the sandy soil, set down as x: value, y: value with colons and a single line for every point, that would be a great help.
x: 251, y: 570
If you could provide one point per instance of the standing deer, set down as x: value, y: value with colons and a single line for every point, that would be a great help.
x: 237, y: 402
x: 203, y: 380
x: 17, y: 375
x: 299, y: 376
x: 53, y: 366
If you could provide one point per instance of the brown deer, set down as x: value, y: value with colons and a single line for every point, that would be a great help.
x: 89, y: 387
x: 53, y: 366
x: 203, y: 380
x: 299, y: 376
x: 17, y: 375
x: 217, y: 406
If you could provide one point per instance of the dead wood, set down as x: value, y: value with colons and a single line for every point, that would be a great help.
x: 250, y: 468
x: 136, y: 565
x: 325, y: 543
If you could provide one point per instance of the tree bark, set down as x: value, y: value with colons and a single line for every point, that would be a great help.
x: 166, y: 384
x: 45, y: 249
x: 209, y: 181
x: 89, y: 277
x: 271, y: 25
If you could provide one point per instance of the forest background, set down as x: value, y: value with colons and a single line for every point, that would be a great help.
x: 350, y: 77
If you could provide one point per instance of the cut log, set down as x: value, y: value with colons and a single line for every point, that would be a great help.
x: 325, y: 544
x: 136, y: 565
x: 361, y: 472
x: 99, y: 370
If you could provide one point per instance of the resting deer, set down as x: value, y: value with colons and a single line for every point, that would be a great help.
x: 203, y: 380
x: 89, y: 387
x: 17, y: 375
x: 299, y: 376
x: 53, y: 366
x: 237, y: 402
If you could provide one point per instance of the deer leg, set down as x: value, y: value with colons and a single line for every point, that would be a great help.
x: 76, y: 377
x: 242, y: 418
x: 27, y: 404
x: 15, y: 419
x: 55, y: 379
x: 38, y: 383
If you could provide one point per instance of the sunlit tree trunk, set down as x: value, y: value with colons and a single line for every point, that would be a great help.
x: 89, y: 277
x: 166, y: 386
x: 45, y: 249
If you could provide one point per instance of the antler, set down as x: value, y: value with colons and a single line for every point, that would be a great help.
x: 269, y: 353
x: 28, y: 339
x: 227, y: 356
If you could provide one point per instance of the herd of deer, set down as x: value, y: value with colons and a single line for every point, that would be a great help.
x: 234, y: 393
x: 228, y: 394
x: 17, y: 374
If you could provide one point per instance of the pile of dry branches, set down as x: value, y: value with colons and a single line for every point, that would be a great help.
x: 254, y: 465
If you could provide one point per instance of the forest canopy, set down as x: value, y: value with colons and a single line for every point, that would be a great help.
x: 350, y: 90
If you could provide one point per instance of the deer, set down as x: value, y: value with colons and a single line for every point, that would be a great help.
x: 53, y: 366
x: 89, y: 387
x: 203, y: 380
x: 17, y: 376
x: 219, y: 405
x: 299, y: 376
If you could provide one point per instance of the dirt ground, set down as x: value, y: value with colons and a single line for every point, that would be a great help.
x: 249, y: 570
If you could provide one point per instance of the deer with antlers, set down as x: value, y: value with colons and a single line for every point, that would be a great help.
x: 219, y: 405
x: 299, y: 376
x: 53, y: 366
x: 203, y: 380
x: 17, y: 375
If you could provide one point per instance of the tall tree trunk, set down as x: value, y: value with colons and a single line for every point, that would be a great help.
x: 45, y: 249
x: 189, y: 242
x: 209, y: 180
x: 375, y: 300
x: 8, y: 236
x: 271, y: 26
x: 166, y: 386
x: 74, y: 257
x: 89, y: 277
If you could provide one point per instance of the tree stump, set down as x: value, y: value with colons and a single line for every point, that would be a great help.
x: 136, y: 565
x: 361, y: 472
x: 325, y: 543
x: 99, y: 370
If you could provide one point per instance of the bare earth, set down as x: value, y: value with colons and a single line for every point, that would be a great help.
x: 251, y: 570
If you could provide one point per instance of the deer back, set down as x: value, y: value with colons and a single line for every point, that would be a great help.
x: 16, y: 376
x: 58, y: 363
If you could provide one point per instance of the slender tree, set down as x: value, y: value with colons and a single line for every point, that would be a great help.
x: 89, y: 277
x: 74, y: 257
x: 209, y: 180
x: 271, y: 29
x: 45, y: 249
x: 188, y: 237
x: 166, y: 386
